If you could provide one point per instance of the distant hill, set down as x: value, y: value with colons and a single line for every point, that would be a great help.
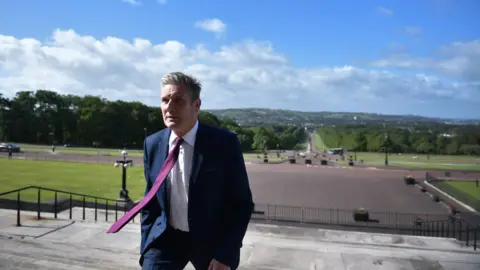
x: 273, y: 116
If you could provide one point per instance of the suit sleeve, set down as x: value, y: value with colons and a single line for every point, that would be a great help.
x: 240, y: 199
x: 149, y: 213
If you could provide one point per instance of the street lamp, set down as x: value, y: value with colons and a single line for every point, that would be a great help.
x: 428, y: 149
x: 265, y: 153
x: 356, y: 146
x: 432, y: 144
x: 386, y: 149
x: 124, y: 162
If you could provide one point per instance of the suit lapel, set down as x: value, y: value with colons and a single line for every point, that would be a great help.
x: 197, y: 155
x: 162, y: 156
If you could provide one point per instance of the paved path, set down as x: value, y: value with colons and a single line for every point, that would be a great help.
x: 64, y: 244
x: 339, y: 188
x: 326, y: 187
x: 335, y: 187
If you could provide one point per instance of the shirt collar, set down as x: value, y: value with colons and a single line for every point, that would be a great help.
x: 188, y: 138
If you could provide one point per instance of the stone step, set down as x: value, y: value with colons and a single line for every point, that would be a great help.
x: 289, y: 232
x: 67, y: 244
x: 16, y: 253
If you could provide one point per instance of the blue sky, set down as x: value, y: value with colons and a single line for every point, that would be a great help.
x: 318, y: 36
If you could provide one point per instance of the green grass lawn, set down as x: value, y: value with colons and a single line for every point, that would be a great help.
x: 420, y: 157
x: 100, y: 180
x: 302, y: 146
x: 445, y: 162
x: 319, y: 144
x: 467, y: 187
x: 465, y: 191
x: 85, y: 178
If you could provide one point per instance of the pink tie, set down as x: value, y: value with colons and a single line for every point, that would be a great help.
x: 166, y: 168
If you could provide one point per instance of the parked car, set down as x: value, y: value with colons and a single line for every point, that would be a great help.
x: 6, y: 147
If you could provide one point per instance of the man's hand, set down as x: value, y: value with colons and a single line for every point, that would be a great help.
x: 216, y: 265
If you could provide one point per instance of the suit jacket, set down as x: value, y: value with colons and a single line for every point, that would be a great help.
x: 220, y: 200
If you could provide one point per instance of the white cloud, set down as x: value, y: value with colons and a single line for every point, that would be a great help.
x: 245, y: 74
x: 132, y: 2
x: 458, y: 61
x: 384, y: 11
x: 212, y: 25
x: 412, y: 30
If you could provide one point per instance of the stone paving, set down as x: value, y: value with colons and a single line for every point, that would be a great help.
x: 70, y: 244
x: 330, y: 187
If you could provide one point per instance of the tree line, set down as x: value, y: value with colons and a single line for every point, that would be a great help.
x: 431, y: 138
x: 47, y: 117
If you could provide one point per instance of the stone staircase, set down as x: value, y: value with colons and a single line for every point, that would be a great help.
x: 74, y: 244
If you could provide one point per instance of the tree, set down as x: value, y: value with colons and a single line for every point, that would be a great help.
x: 245, y: 136
x: 262, y: 139
x: 360, y: 141
x: 209, y: 118
x: 417, y: 138
x: 46, y: 117
x: 5, y: 119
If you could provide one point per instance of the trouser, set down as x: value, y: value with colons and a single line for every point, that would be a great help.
x: 172, y: 251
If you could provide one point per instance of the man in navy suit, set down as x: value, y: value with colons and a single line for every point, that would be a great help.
x: 203, y: 208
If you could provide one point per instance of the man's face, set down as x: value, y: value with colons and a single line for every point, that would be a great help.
x: 178, y: 110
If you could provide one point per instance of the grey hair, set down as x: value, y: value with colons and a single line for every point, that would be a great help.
x: 179, y: 78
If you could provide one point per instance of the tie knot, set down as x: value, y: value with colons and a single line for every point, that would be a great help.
x: 178, y: 141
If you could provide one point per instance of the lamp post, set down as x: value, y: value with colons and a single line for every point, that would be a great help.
x: 386, y: 149
x: 124, y: 162
x: 428, y: 149
x: 145, y: 131
x: 355, y: 149
x: 265, y: 154
x: 432, y: 144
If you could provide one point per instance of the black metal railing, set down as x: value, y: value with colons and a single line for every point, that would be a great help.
x: 420, y: 224
x: 456, y: 228
x: 62, y: 201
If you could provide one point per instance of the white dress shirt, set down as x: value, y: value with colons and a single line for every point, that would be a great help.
x: 179, y: 179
